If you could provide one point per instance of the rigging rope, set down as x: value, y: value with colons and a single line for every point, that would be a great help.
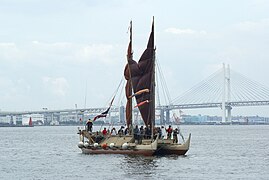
x: 163, y: 84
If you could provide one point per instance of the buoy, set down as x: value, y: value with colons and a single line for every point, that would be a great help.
x: 111, y: 145
x: 125, y: 145
x: 104, y: 146
x: 95, y: 145
x: 86, y: 144
x: 80, y: 144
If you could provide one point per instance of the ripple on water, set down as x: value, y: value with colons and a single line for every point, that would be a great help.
x: 217, y: 152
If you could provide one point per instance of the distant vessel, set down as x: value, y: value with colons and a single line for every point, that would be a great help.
x: 30, y: 124
x: 140, y: 84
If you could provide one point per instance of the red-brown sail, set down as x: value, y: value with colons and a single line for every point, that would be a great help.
x: 128, y: 87
x: 142, y: 76
x: 146, y: 65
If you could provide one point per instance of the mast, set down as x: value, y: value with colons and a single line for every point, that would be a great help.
x: 129, y: 109
x: 153, y: 84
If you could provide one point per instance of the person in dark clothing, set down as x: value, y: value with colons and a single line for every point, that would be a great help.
x: 147, y: 132
x: 120, y: 131
x: 89, y: 125
x: 126, y: 132
x: 175, y: 133
x: 136, y: 133
x: 98, y: 137
x: 142, y: 134
x: 159, y: 131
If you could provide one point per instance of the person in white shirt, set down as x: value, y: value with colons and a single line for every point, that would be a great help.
x: 113, y: 131
x: 163, y: 132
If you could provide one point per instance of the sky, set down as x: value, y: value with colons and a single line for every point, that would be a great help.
x: 55, y: 54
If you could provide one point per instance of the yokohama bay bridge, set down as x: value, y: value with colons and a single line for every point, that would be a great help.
x: 225, y: 89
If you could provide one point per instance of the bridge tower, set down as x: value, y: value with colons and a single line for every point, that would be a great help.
x: 226, y: 104
x: 229, y: 107
x: 162, y: 121
x: 167, y: 117
x: 224, y: 96
x: 121, y: 114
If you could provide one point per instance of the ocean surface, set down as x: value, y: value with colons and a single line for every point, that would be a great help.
x: 216, y: 152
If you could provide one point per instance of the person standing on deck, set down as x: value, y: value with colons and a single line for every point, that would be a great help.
x: 142, y: 134
x: 126, y: 132
x: 89, y: 125
x: 120, y: 131
x: 159, y: 132
x: 104, y: 132
x: 113, y: 131
x: 163, y: 132
x: 175, y: 133
x: 147, y: 132
x: 169, y: 132
x: 136, y: 133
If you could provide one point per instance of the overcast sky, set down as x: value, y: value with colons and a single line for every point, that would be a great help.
x: 54, y: 53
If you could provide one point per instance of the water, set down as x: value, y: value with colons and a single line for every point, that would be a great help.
x: 216, y: 152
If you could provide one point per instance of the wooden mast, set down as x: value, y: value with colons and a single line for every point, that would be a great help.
x: 153, y: 86
x: 129, y: 58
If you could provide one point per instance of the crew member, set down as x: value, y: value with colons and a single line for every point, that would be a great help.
x: 104, y: 132
x: 89, y: 125
x: 175, y: 133
x: 169, y: 132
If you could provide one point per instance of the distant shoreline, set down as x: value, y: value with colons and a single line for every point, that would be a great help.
x: 107, y: 124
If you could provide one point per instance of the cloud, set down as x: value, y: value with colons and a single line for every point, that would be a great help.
x: 56, y: 45
x: 42, y: 52
x: 9, y: 51
x: 253, y: 26
x: 13, y: 90
x: 57, y: 86
x: 99, y: 52
x: 7, y: 83
x: 179, y: 31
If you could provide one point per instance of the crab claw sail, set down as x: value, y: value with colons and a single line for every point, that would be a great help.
x: 142, y: 77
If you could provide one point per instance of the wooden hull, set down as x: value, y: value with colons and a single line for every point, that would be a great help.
x: 157, y: 147
x: 169, y: 151
x: 147, y: 149
x: 172, y: 148
x: 118, y: 151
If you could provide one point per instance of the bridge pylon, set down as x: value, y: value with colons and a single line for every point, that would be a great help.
x: 229, y: 113
x: 226, y: 93
x: 165, y: 115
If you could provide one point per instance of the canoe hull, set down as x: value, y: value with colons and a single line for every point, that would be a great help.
x: 172, y: 148
x: 118, y: 151
x: 118, y: 147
